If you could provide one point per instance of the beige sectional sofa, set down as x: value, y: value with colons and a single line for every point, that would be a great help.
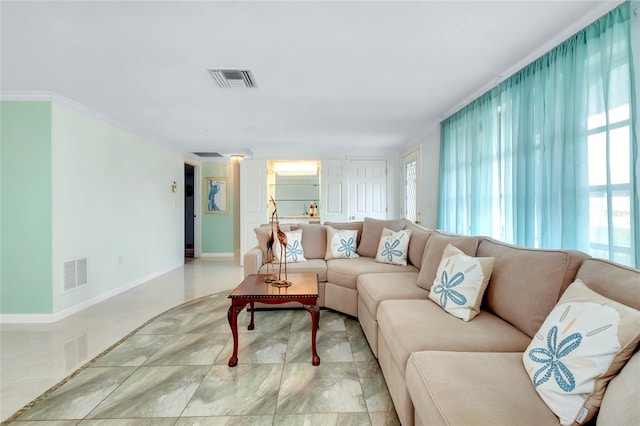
x: 442, y: 370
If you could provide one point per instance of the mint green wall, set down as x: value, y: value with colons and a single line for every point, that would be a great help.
x: 25, y: 229
x: 217, y: 228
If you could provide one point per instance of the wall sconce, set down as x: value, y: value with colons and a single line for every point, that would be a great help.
x: 174, y: 187
x: 236, y: 158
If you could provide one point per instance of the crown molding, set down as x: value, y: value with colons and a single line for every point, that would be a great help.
x: 34, y: 96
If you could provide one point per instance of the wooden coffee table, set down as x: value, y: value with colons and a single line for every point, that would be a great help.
x: 304, y: 290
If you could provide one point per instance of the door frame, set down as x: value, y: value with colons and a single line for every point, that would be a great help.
x: 197, y: 207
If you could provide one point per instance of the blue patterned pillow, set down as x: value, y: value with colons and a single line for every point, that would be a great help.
x: 460, y: 282
x: 341, y: 243
x: 393, y: 247
x: 295, y: 253
x: 582, y: 344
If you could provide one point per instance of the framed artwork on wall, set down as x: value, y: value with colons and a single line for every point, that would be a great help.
x: 216, y: 194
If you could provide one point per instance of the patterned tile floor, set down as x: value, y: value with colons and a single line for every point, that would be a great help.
x: 173, y: 371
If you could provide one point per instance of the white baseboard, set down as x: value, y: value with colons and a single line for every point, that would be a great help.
x: 217, y: 255
x: 57, y: 316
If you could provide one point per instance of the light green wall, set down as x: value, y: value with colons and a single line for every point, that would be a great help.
x: 25, y: 230
x: 217, y: 228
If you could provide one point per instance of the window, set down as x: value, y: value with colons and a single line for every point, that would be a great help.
x: 557, y: 171
x: 411, y: 209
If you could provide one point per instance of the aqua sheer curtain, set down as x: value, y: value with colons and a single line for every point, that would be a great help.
x: 543, y: 159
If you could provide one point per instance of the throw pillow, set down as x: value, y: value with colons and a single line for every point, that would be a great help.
x: 393, y: 247
x: 295, y: 252
x: 341, y: 243
x: 433, y: 254
x: 371, y: 232
x: 262, y: 235
x: 582, y: 344
x: 460, y: 282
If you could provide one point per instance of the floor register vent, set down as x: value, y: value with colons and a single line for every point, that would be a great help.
x: 75, y: 273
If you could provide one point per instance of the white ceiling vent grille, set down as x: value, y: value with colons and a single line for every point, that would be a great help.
x: 233, y: 78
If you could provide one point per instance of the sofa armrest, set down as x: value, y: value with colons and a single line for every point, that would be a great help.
x: 252, y: 261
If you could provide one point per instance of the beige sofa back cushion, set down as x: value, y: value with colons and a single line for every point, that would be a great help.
x: 314, y: 240
x: 348, y: 225
x: 527, y: 283
x: 436, y: 244
x: 620, y: 401
x: 612, y: 280
x: 371, y: 232
x: 418, y: 242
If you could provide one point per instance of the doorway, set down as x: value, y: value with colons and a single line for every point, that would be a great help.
x: 189, y: 212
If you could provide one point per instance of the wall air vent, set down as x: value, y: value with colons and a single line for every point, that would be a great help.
x: 208, y: 154
x: 233, y: 78
x: 74, y: 273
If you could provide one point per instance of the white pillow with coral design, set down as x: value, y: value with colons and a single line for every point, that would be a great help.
x: 393, y: 247
x: 582, y: 344
x: 341, y: 243
x: 460, y: 282
x: 294, y: 252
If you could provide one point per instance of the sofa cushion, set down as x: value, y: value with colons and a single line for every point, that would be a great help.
x: 419, y: 237
x: 341, y: 243
x: 374, y: 288
x: 526, y: 283
x: 433, y: 254
x: 345, y: 272
x: 393, y: 247
x: 461, y: 282
x: 314, y: 266
x: 473, y: 388
x: 263, y: 233
x: 294, y: 251
x: 620, y: 402
x: 347, y: 225
x: 418, y: 325
x: 614, y: 281
x: 314, y: 240
x: 583, y: 343
x: 371, y: 232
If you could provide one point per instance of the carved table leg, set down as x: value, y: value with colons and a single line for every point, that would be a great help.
x: 314, y: 310
x: 232, y: 316
x: 251, y: 323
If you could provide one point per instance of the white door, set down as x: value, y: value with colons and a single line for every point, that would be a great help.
x: 368, y: 189
x: 253, y: 202
x: 333, y: 201
x: 412, y: 186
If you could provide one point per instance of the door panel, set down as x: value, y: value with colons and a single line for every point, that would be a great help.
x: 253, y: 202
x: 368, y: 183
x: 334, y: 191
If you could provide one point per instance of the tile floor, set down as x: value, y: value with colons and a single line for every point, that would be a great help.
x: 173, y: 370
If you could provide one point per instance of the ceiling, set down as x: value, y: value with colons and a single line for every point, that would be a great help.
x: 333, y: 78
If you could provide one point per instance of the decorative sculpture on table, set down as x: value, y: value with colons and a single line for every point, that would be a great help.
x: 282, y: 258
x: 270, y: 276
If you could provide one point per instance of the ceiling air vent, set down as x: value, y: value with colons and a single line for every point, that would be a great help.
x: 233, y: 78
x: 208, y: 154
